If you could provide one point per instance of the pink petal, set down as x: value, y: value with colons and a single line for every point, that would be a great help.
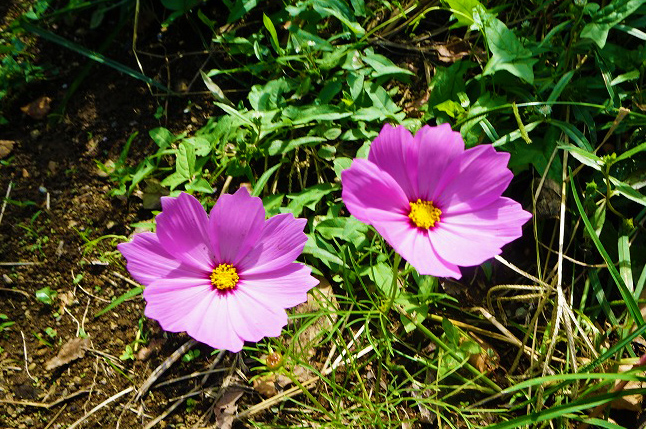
x: 474, y: 180
x: 253, y: 319
x: 438, y: 147
x: 414, y: 246
x: 212, y: 322
x: 368, y: 190
x: 281, y: 242
x: 182, y: 230
x: 471, y: 238
x: 169, y: 301
x: 284, y: 288
x: 395, y: 152
x: 235, y: 225
x: 148, y: 261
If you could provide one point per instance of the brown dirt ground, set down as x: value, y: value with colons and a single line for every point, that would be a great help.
x: 58, y: 197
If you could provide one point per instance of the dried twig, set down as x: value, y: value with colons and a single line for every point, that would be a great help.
x: 4, y: 289
x: 45, y: 404
x: 24, y: 349
x: 6, y: 199
x: 101, y: 405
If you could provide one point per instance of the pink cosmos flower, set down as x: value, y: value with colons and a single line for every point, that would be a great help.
x: 439, y: 206
x: 225, y: 278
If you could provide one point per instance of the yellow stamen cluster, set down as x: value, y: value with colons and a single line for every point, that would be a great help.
x: 424, y: 214
x: 224, y: 276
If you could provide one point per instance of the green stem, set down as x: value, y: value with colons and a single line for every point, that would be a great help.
x: 393, y: 285
x: 424, y: 330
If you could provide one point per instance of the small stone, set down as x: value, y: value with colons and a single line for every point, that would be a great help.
x: 28, y: 421
x: 52, y: 166
x: 7, y: 279
x: 34, y: 134
x: 110, y: 224
x: 32, y: 366
x: 25, y: 173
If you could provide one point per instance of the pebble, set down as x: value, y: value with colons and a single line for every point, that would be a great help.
x: 7, y: 279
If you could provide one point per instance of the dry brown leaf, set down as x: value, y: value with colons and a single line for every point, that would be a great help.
x: 6, y: 146
x: 320, y: 297
x: 39, y: 108
x: 225, y: 408
x: 71, y: 350
x: 629, y: 402
x: 487, y: 360
x: 270, y: 384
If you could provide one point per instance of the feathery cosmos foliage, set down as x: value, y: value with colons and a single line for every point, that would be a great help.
x: 224, y: 278
x: 438, y: 205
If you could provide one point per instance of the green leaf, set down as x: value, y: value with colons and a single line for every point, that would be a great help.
x: 628, y: 191
x: 130, y: 294
x: 630, y: 152
x: 46, y: 295
x: 309, y: 197
x: 607, y: 17
x: 345, y: 229
x: 508, y: 53
x: 583, y: 156
x: 162, y: 137
x: 262, y: 181
x: 180, y: 5
x: 463, y: 10
x: 626, y: 294
x: 340, y: 11
x: 272, y: 32
x: 185, y: 163
x: 382, y: 66
x: 217, y: 93
x: 307, y: 114
x: 240, y: 8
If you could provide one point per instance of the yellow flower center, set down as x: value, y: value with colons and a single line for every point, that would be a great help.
x: 424, y: 214
x: 224, y: 276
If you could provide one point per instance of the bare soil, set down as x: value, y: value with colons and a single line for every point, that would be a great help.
x: 57, y: 200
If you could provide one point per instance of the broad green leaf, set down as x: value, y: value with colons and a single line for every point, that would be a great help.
x: 463, y: 10
x: 508, y: 53
x: 309, y: 197
x: 278, y: 147
x: 607, y: 17
x: 317, y: 248
x: 340, y: 164
x: 162, y: 137
x: 307, y: 114
x: 448, y: 82
x: 240, y: 8
x: 185, y: 163
x: 344, y: 229
x: 199, y: 185
x: 382, y: 66
x: 340, y: 11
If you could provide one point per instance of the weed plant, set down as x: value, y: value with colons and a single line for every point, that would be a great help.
x: 557, y: 85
